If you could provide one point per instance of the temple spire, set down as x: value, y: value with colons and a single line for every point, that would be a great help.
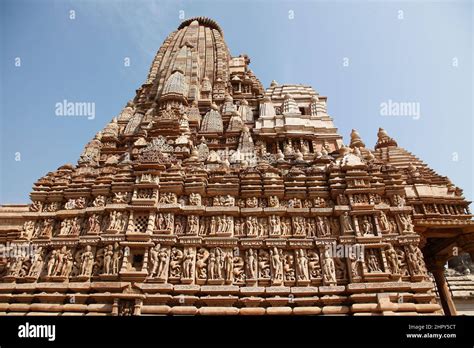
x: 384, y: 140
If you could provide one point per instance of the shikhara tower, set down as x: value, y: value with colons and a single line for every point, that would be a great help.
x: 209, y: 194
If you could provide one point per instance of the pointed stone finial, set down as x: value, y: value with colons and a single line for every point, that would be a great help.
x: 356, y: 140
x: 273, y: 83
x: 384, y: 140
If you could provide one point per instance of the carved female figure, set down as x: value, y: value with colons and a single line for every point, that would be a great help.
x: 163, y: 258
x: 116, y: 259
x: 188, y: 264
x: 108, y: 254
x: 87, y: 260
x: 346, y: 222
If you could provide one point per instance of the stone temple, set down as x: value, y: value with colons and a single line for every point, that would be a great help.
x: 209, y: 194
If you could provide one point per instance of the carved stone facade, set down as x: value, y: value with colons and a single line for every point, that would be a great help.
x: 211, y: 195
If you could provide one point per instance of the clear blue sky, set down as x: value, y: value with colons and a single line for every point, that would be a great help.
x: 403, y: 56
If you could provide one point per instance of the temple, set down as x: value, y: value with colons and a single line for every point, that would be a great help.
x: 209, y: 194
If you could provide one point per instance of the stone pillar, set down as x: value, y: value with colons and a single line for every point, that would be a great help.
x: 443, y: 290
x: 115, y: 307
x: 137, y: 308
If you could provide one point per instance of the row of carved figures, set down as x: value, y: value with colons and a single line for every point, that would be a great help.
x: 444, y: 209
x: 220, y: 265
x: 118, y: 221
x: 195, y: 199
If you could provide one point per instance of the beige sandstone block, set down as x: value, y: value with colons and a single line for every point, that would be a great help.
x: 279, y: 310
x: 307, y: 310
x: 218, y: 311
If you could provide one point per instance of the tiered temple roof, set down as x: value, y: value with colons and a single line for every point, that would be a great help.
x: 208, y: 194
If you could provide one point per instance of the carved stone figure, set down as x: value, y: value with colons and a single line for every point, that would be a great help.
x: 116, y: 257
x: 251, y: 264
x: 28, y: 229
x: 193, y: 225
x: 405, y: 219
x: 94, y: 224
x: 201, y: 263
x: 195, y: 199
x: 188, y: 263
x: 48, y: 225
x: 314, y: 265
x: 154, y: 259
x: 329, y: 270
x: 108, y: 256
x: 367, y: 227
x: 275, y: 229
x: 264, y: 264
x: 392, y: 260
x: 398, y: 201
x: 276, y: 264
x: 273, y: 202
x: 120, y: 197
x: 99, y: 201
x: 37, y: 263
x: 346, y: 223
x: 384, y: 223
x: 36, y: 206
x: 373, y: 262
x: 302, y: 262
x: 176, y: 260
x: 87, y: 261
x: 322, y: 226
